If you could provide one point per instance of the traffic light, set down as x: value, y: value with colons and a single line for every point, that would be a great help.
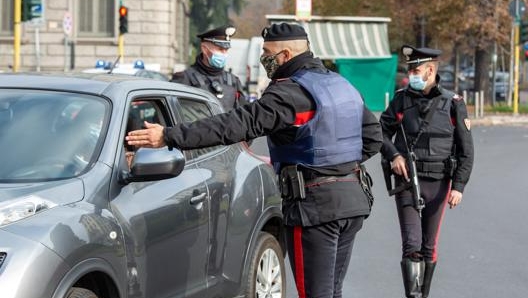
x: 31, y: 9
x: 523, y: 31
x: 123, y: 19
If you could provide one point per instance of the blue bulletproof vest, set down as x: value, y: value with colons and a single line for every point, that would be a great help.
x: 333, y: 135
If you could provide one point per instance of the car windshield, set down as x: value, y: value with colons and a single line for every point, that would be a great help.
x: 48, y: 135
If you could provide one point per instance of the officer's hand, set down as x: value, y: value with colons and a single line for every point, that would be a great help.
x: 399, y: 166
x: 454, y: 198
x: 151, y: 136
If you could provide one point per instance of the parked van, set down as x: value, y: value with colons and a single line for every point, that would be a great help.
x: 257, y: 79
x: 237, y: 60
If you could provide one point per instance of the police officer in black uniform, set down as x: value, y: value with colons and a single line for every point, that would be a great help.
x: 208, y: 71
x: 319, y: 132
x: 437, y: 129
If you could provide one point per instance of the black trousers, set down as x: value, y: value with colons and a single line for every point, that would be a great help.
x: 420, y: 235
x: 319, y: 256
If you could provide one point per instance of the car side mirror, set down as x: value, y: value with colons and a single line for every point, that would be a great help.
x: 154, y: 164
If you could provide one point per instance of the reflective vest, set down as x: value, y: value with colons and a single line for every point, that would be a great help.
x: 333, y: 135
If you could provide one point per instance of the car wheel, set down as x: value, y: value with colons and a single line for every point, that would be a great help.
x: 266, y: 278
x: 80, y: 293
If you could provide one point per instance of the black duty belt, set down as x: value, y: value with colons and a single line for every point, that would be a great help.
x: 331, y: 179
x: 310, y: 174
x: 430, y: 166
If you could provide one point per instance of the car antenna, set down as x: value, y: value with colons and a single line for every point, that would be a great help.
x: 115, y: 62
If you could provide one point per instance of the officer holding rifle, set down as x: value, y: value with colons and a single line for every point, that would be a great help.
x: 428, y: 154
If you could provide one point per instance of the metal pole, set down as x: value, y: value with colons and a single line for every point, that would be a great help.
x: 65, y: 53
x: 16, y: 32
x: 510, y: 78
x: 121, y: 48
x: 477, y: 103
x: 516, y: 72
x: 37, y: 48
x: 481, y: 103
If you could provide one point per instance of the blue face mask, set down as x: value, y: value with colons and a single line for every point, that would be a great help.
x: 416, y: 82
x: 218, y: 60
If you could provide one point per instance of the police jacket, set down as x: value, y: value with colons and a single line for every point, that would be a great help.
x: 276, y: 114
x: 224, y: 85
x: 447, y: 135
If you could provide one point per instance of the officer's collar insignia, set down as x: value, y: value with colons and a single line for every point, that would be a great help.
x: 467, y: 122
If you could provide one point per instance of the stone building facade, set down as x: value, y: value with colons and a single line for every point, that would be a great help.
x: 71, y: 35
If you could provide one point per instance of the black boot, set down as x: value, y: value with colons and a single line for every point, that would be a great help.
x: 412, y: 273
x: 428, y: 276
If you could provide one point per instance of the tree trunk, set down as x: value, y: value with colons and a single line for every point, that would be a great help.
x: 482, y: 71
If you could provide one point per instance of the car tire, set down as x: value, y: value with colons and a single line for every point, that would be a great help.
x: 80, y: 293
x: 266, y: 277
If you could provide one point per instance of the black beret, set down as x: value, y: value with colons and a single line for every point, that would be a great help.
x: 220, y: 36
x: 284, y: 31
x: 417, y: 56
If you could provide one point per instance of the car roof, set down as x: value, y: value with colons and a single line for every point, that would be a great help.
x: 93, y: 83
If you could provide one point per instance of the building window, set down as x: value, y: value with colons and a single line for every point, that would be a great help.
x: 96, y: 18
x: 6, y: 18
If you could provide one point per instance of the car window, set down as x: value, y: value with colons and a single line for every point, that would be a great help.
x: 158, y: 76
x: 49, y: 135
x: 152, y: 110
x: 192, y: 110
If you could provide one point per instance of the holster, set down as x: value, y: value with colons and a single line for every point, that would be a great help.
x: 450, y: 166
x: 291, y: 183
x: 387, y: 172
x: 366, y: 184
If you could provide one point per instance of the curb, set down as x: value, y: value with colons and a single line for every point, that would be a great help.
x: 500, y: 120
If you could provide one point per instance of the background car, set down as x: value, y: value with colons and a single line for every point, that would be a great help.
x: 78, y: 220
x: 137, y: 69
x: 447, y: 81
x: 502, y: 84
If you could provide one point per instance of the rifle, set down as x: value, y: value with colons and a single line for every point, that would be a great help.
x: 418, y: 201
x: 413, y: 184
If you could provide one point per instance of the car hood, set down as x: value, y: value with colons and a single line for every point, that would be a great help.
x: 58, y: 192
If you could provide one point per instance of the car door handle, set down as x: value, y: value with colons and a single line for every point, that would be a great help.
x: 198, y: 198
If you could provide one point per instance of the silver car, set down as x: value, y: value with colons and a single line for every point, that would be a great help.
x: 83, y: 215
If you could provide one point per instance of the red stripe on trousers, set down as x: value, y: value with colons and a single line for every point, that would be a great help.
x: 435, y: 251
x: 303, y: 117
x: 299, y: 262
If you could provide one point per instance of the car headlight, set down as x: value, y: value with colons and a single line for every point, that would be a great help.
x: 13, y: 210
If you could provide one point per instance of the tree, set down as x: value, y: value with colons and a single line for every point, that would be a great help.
x: 252, y: 20
x: 208, y: 14
x: 455, y: 26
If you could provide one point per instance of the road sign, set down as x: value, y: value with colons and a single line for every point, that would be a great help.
x: 303, y: 10
x: 67, y: 23
x: 35, y: 13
